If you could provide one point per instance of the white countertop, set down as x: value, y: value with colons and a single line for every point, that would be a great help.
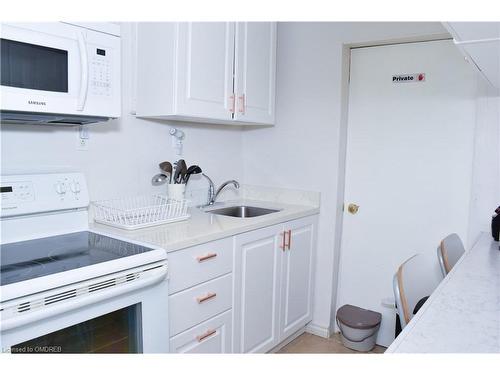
x: 463, y: 313
x: 204, y: 227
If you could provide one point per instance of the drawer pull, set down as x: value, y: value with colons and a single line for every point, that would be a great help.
x: 206, y: 298
x: 202, y: 258
x: 206, y: 335
x: 283, y: 242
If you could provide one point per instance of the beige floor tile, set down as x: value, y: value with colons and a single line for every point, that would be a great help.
x: 308, y: 343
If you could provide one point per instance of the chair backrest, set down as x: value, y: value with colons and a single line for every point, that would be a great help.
x: 449, y: 252
x: 415, y: 279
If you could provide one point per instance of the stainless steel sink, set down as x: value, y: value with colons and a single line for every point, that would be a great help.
x: 243, y: 211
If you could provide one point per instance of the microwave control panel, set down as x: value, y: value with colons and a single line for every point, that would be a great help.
x: 100, y: 71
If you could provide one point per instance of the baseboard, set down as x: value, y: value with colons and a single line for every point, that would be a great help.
x: 318, y: 330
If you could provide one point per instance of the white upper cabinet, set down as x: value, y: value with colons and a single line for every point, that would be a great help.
x: 255, y: 71
x: 480, y: 43
x: 205, y: 69
x: 469, y: 31
x: 214, y: 72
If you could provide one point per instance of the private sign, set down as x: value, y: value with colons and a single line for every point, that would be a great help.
x: 407, y: 78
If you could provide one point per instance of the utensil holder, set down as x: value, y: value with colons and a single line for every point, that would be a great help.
x: 176, y: 191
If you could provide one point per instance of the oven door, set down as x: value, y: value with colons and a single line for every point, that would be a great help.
x: 122, y: 313
x: 59, y: 68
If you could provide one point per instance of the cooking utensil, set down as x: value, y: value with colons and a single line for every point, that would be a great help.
x: 183, y: 171
x: 177, y: 171
x: 160, y: 179
x: 180, y: 171
x: 166, y: 167
x: 194, y: 169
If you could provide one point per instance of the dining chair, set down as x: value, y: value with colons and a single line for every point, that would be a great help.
x: 449, y: 252
x: 413, y: 283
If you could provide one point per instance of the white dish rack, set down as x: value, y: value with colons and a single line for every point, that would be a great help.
x: 140, y: 211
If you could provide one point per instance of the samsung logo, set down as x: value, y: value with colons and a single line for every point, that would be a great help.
x: 36, y: 102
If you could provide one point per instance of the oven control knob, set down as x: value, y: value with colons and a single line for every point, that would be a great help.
x: 75, y: 187
x: 60, y: 188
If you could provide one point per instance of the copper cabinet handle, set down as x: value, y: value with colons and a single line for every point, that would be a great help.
x: 202, y: 258
x: 242, y: 104
x: 206, y: 335
x: 289, y: 238
x: 232, y: 103
x: 283, y: 242
x: 206, y: 298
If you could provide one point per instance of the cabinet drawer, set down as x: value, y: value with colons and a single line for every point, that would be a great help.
x: 212, y: 336
x: 200, y: 263
x: 197, y: 304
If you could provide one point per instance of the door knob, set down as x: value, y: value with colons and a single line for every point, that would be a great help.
x: 353, y: 208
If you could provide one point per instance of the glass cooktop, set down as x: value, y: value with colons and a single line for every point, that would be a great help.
x: 20, y: 261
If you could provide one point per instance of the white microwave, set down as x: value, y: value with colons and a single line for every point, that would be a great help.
x: 60, y: 73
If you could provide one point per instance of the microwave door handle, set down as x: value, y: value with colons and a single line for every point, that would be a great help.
x: 84, y: 66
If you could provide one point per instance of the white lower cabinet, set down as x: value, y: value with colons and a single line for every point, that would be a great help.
x: 199, y: 303
x: 201, y: 297
x: 256, y: 290
x: 297, y: 276
x: 242, y: 294
x: 212, y: 336
x: 272, y: 284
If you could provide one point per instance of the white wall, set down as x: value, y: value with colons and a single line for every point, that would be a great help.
x: 123, y: 154
x: 486, y: 173
x: 304, y: 149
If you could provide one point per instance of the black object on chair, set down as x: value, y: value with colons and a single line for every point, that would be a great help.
x: 419, y: 304
x: 495, y: 224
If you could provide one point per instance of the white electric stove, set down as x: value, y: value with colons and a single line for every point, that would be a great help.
x: 65, y: 289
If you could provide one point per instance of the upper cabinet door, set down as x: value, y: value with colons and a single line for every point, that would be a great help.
x: 205, y: 69
x: 297, y: 276
x: 255, y: 72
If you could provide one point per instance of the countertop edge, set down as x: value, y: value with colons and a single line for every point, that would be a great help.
x: 240, y: 230
x: 244, y: 225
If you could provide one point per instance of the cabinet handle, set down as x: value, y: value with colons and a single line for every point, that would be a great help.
x: 283, y: 242
x: 202, y: 258
x: 232, y: 103
x: 242, y: 104
x: 206, y: 335
x: 289, y: 238
x: 206, y: 298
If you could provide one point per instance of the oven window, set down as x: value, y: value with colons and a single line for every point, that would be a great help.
x: 30, y: 66
x: 116, y: 332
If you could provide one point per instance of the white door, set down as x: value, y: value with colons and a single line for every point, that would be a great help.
x: 205, y: 69
x: 256, y: 290
x: 409, y: 165
x: 255, y: 71
x: 296, y: 284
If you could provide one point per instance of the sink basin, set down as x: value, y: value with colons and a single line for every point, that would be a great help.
x: 243, y: 211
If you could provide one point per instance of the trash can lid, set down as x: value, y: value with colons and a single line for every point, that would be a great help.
x: 356, y: 317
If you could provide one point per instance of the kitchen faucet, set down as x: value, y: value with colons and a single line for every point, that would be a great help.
x: 212, y: 193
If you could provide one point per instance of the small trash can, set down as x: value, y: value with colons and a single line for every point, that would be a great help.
x: 358, y: 327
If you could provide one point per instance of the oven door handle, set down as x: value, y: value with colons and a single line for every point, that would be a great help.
x: 82, y: 301
x: 84, y: 69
